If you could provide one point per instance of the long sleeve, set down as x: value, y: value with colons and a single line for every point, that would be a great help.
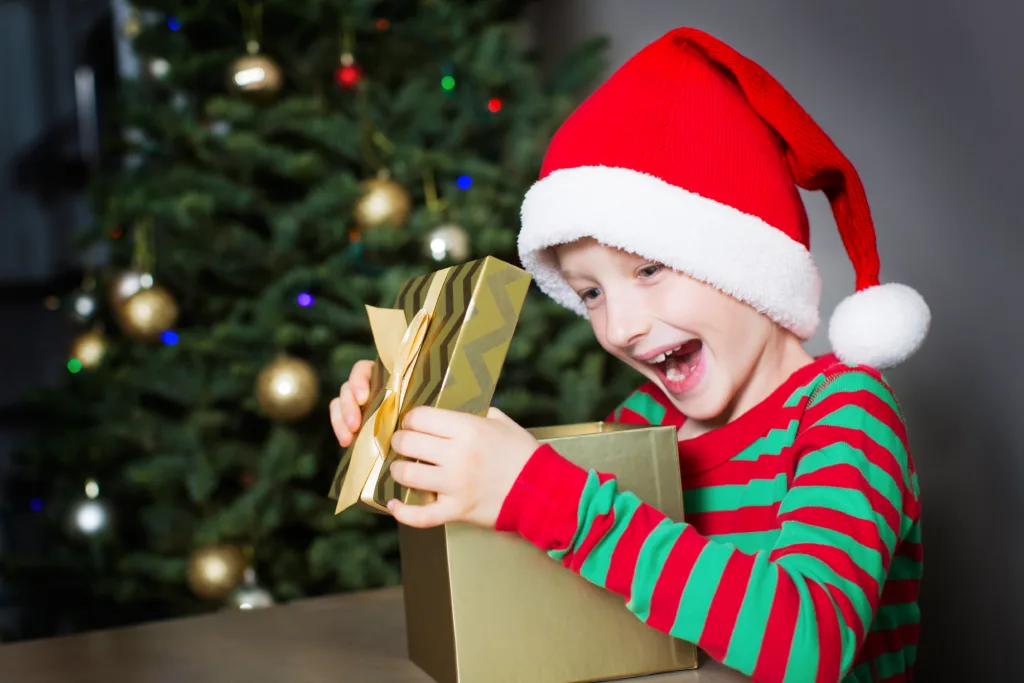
x: 798, y: 611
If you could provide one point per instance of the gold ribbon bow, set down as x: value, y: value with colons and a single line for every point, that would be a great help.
x: 398, y: 347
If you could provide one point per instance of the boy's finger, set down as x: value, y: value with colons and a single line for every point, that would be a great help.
x: 418, y: 475
x: 361, y: 380
x: 338, y: 423
x: 437, y: 421
x: 419, y: 446
x: 350, y: 410
x: 421, y: 516
x: 495, y: 414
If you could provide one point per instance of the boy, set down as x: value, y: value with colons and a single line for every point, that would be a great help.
x: 667, y: 212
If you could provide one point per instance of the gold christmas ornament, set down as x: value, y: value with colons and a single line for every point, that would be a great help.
x: 382, y: 201
x: 214, y: 571
x: 447, y: 242
x: 250, y: 595
x: 88, y: 348
x: 123, y: 285
x: 256, y: 76
x: 287, y: 389
x: 148, y: 313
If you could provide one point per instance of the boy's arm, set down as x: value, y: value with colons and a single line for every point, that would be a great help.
x: 797, y: 612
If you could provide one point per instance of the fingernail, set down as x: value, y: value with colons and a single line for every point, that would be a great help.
x: 391, y: 505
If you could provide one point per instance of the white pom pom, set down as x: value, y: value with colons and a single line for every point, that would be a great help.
x: 879, y: 327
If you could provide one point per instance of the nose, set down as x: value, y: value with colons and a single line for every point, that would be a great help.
x: 627, y: 320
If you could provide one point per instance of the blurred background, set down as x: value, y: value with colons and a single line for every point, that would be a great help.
x: 197, y: 200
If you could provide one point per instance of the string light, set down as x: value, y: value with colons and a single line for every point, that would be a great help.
x: 169, y: 337
x: 494, y: 106
x: 464, y: 182
x: 305, y: 300
x: 92, y: 489
x: 36, y: 504
x: 383, y: 24
x: 448, y: 83
x: 173, y: 23
x: 74, y: 366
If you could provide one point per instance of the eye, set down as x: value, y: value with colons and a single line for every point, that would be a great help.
x: 590, y: 294
x: 650, y: 270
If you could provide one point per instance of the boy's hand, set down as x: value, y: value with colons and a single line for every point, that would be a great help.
x: 470, y: 462
x: 346, y: 415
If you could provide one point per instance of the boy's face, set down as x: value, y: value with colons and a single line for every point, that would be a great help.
x: 699, y: 344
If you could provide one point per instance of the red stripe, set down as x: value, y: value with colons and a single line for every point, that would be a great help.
x: 843, y: 476
x: 910, y: 550
x: 830, y: 648
x: 879, y: 643
x: 627, y: 550
x: 745, y: 520
x: 599, y: 528
x: 837, y: 560
x: 725, y: 605
x: 778, y: 636
x: 823, y: 436
x: 628, y: 416
x: 862, y: 398
x: 850, y: 616
x: 900, y: 591
x: 862, y: 531
x: 740, y: 472
x: 668, y: 590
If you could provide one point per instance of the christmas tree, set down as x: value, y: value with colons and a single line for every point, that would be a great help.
x: 285, y: 164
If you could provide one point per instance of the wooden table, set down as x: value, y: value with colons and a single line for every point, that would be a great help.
x: 353, y: 638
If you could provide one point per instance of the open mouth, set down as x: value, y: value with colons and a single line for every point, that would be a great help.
x: 678, y: 368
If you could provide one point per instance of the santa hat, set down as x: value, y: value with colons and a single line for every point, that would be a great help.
x: 692, y: 155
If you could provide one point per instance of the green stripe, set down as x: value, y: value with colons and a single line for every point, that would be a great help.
x: 868, y: 560
x: 752, y: 620
x: 847, y: 501
x: 859, y: 381
x: 803, y: 392
x: 748, y: 542
x: 649, y: 565
x: 731, y: 497
x: 772, y: 443
x: 844, y: 454
x: 855, y: 417
x: 892, y: 663
x: 894, y: 616
x: 699, y: 591
x: 594, y: 494
x: 816, y: 570
x: 595, y: 566
x: 803, y: 653
x: 903, y: 569
x: 861, y: 674
x: 644, y: 405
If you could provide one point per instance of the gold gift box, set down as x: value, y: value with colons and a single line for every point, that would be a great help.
x: 442, y: 345
x: 488, y: 607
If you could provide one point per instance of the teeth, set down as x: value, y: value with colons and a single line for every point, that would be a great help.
x: 660, y: 358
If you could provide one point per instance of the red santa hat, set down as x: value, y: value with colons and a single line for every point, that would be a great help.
x: 692, y: 155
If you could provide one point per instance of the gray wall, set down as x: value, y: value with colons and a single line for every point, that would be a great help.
x: 924, y: 96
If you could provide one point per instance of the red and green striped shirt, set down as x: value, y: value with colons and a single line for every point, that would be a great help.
x: 800, y: 558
